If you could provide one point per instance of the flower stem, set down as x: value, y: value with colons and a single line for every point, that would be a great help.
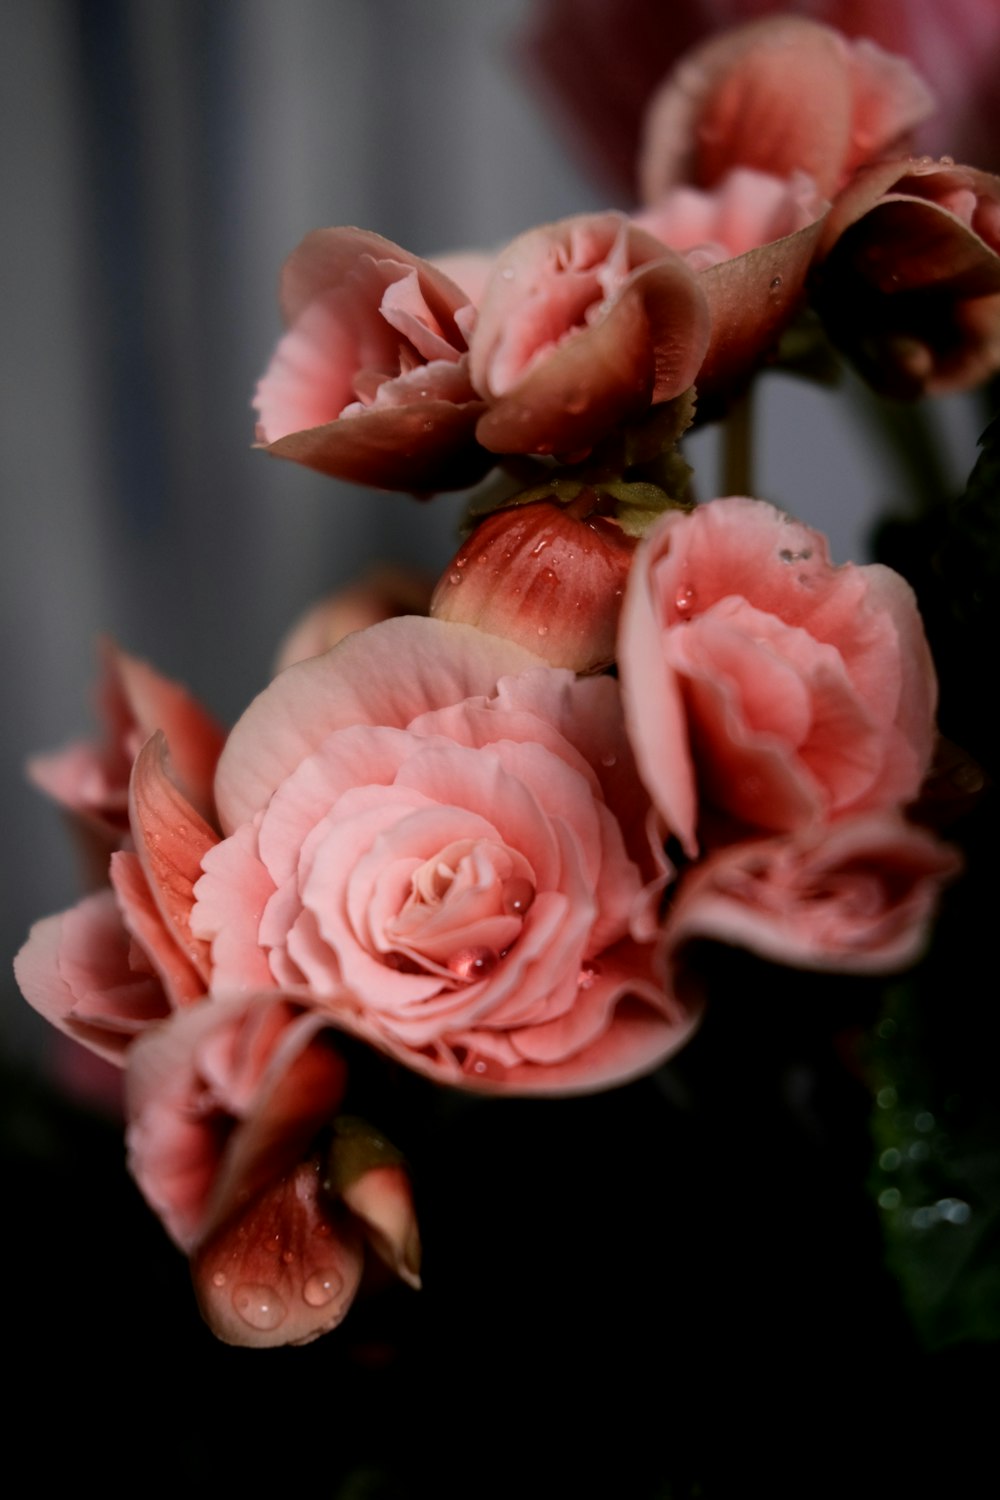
x: 737, y: 450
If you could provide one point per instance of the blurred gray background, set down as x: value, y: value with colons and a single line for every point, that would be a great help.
x: 160, y: 159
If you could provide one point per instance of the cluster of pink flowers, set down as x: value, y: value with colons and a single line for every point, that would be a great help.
x: 457, y: 839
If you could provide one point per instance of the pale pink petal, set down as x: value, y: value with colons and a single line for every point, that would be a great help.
x: 383, y: 676
x: 80, y: 971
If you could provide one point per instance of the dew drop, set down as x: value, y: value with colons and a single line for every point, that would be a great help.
x: 321, y: 1288
x: 259, y: 1306
x: 543, y: 630
x: 454, y: 578
x: 219, y: 1279
x: 588, y: 973
x: 609, y: 759
x: 684, y: 599
x: 517, y: 894
x: 947, y: 161
x: 473, y: 963
x: 287, y: 1257
x: 479, y: 1066
x: 788, y: 556
x: 428, y: 426
x: 775, y: 283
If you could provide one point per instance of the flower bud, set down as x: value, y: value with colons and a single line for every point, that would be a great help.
x: 538, y: 575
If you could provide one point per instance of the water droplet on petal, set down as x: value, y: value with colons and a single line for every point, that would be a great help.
x: 609, y: 759
x: 543, y: 630
x: 473, y: 963
x: 517, y: 894
x: 259, y: 1306
x: 947, y: 161
x: 219, y: 1279
x: 588, y: 973
x: 321, y: 1288
x: 454, y: 578
x: 684, y: 600
x: 775, y: 283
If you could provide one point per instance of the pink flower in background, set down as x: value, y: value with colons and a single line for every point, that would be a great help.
x: 583, y: 325
x: 855, y: 896
x: 370, y: 383
x: 907, y: 276
x: 632, y: 45
x: 781, y: 95
x: 230, y: 1107
x: 443, y: 843
x: 762, y: 683
x: 385, y: 592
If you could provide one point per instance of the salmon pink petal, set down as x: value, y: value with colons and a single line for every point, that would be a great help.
x: 856, y: 896
x: 223, y: 1099
x: 171, y: 840
x: 284, y: 1270
x: 143, y: 920
x: 81, y: 971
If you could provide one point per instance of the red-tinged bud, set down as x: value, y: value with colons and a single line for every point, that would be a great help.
x: 538, y: 575
x: 367, y: 1173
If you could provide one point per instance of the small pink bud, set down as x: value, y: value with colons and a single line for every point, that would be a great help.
x: 538, y: 575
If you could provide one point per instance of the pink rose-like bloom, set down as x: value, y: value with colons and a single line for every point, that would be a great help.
x: 583, y: 325
x: 855, y: 896
x: 229, y: 1103
x: 443, y: 843
x: 763, y: 683
x: 371, y: 383
x: 781, y: 95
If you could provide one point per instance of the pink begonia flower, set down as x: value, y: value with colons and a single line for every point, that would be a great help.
x: 371, y: 383
x: 907, y: 276
x: 539, y: 576
x: 752, y: 239
x: 782, y: 95
x: 855, y: 896
x: 583, y: 325
x: 764, y: 683
x: 90, y: 779
x: 631, y: 46
x: 385, y: 592
x: 123, y: 959
x: 227, y: 1103
x: 443, y: 843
